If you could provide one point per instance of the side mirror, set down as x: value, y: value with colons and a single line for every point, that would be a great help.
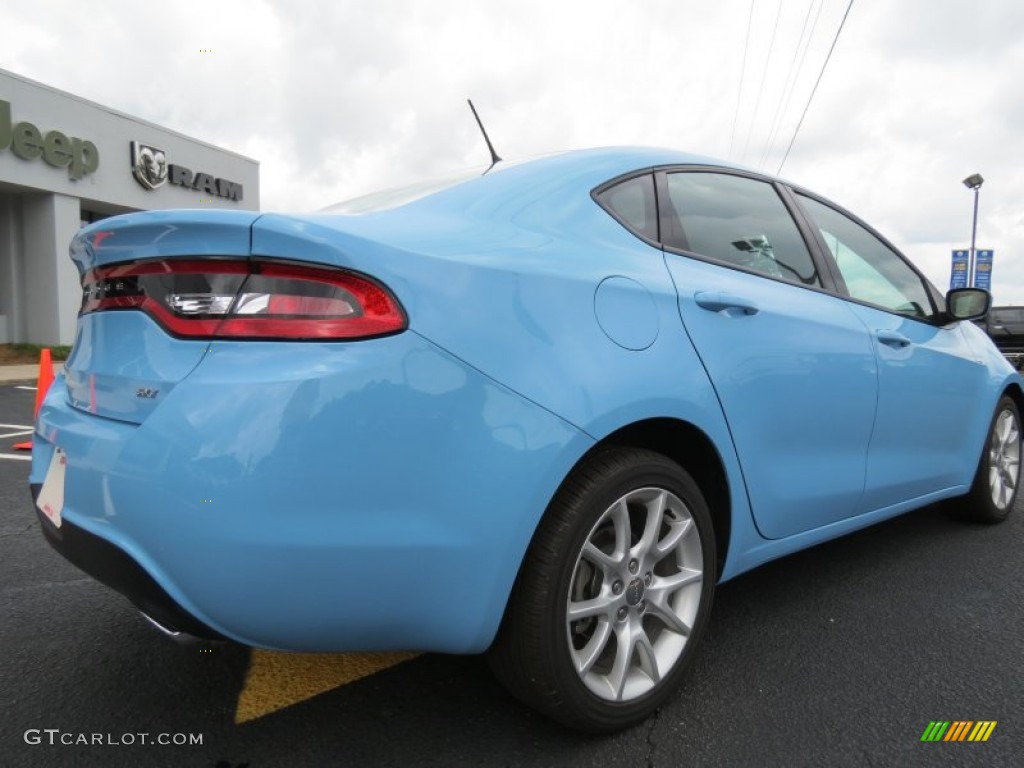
x: 968, y: 303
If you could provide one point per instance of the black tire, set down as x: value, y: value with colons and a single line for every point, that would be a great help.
x: 999, y: 465
x: 533, y: 654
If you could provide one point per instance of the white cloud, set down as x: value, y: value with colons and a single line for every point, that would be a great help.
x: 338, y: 98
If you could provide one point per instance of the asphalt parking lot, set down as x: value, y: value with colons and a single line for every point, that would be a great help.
x: 840, y: 655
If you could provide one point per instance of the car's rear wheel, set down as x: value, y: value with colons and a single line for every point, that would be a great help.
x: 613, y: 595
x: 997, y: 480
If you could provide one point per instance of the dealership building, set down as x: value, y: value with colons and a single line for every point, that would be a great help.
x: 66, y: 162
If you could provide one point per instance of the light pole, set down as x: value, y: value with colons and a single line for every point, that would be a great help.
x: 974, y: 181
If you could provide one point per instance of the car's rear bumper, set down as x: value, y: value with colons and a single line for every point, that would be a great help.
x: 368, y: 496
x: 117, y: 569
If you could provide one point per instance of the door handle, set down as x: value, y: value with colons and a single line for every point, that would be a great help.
x: 713, y: 301
x: 892, y: 338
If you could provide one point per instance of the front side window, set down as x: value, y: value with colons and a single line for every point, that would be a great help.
x: 739, y: 221
x: 873, y: 272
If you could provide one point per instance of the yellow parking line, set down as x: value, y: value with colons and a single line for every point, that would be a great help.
x: 277, y: 680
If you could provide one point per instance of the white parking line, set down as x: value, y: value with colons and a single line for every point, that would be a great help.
x: 16, y: 426
x: 21, y: 433
x: 30, y: 389
x: 15, y: 457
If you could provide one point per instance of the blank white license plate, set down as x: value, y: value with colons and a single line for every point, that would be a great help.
x: 51, y: 497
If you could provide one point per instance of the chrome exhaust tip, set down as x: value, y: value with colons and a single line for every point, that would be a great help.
x: 181, y: 638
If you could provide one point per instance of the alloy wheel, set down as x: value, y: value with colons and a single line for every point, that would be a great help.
x: 634, y: 595
x: 1004, y: 459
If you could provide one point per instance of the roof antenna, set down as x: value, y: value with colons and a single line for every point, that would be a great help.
x: 495, y: 158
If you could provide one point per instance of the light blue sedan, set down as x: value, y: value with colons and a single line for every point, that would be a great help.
x: 538, y: 412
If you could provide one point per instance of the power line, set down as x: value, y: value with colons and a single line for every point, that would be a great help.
x: 760, y: 90
x: 743, y: 70
x: 799, y: 69
x: 791, y: 79
x: 815, y: 88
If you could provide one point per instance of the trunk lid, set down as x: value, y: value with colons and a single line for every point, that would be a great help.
x: 123, y: 363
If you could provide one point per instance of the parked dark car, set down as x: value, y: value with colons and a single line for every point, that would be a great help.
x: 1006, y: 327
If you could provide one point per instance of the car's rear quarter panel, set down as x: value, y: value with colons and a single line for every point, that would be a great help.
x: 510, y: 288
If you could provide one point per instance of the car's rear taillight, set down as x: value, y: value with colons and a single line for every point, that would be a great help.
x: 221, y: 298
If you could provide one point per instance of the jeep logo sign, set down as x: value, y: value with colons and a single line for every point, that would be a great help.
x: 26, y: 141
x: 151, y: 170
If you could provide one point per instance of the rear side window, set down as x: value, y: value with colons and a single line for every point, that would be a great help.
x: 632, y: 203
x: 738, y: 221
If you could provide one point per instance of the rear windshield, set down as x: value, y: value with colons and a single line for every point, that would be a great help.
x: 396, y: 196
x: 392, y: 198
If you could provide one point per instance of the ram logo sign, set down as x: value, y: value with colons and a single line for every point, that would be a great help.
x: 149, y: 165
x: 151, y: 170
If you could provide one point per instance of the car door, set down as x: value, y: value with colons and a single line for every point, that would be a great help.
x: 930, y: 382
x: 793, y: 368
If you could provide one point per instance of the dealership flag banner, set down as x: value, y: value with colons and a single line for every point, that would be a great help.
x: 958, y: 278
x: 983, y: 270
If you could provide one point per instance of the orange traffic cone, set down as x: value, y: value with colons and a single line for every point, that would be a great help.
x: 42, y: 387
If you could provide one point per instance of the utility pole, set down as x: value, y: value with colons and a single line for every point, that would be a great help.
x: 974, y: 181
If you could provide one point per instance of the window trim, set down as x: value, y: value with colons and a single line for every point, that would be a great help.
x: 832, y: 280
x: 818, y: 244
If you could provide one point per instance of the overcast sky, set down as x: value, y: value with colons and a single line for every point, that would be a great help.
x: 339, y: 98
